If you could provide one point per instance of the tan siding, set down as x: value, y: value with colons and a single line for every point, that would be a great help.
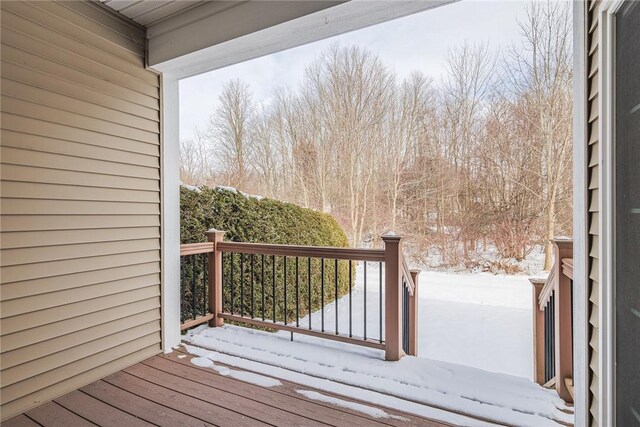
x: 80, y: 187
x: 32, y: 126
x: 27, y: 272
x: 47, y: 98
x: 32, y: 337
x: 48, y: 222
x: 56, y: 23
x: 45, y: 144
x: 76, y: 280
x: 594, y: 207
x: 19, y: 156
x: 33, y: 61
x: 53, y: 345
x: 54, y: 84
x: 66, y: 237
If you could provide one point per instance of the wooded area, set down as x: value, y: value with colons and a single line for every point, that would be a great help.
x: 476, y: 163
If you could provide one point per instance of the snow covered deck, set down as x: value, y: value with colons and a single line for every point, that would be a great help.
x: 442, y: 391
x: 475, y: 347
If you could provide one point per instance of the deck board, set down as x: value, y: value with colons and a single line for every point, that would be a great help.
x: 189, y: 405
x: 265, y: 395
x: 169, y: 390
x: 288, y: 389
x: 241, y: 405
x: 97, y: 411
x: 143, y: 408
x: 52, y: 414
x: 21, y: 421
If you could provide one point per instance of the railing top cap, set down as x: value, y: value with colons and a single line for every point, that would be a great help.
x: 390, y: 235
x: 563, y: 239
x: 213, y: 231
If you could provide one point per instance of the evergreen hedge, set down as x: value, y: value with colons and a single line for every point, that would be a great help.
x: 262, y: 220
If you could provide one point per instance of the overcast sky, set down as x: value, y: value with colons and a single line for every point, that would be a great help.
x: 416, y: 42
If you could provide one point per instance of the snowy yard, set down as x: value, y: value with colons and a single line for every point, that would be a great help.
x: 474, y: 319
x: 478, y: 320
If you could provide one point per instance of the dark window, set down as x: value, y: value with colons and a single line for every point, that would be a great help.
x: 627, y: 214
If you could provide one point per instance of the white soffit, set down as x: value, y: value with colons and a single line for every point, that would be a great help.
x: 150, y: 12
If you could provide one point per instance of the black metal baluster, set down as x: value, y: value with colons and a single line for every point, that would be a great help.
x: 336, y: 294
x: 223, y: 281
x: 309, y: 299
x: 285, y: 289
x: 232, y: 287
x: 548, y: 324
x: 183, y: 285
x: 552, y: 303
x: 273, y: 285
x: 365, y: 300
x: 350, y: 297
x: 205, y: 283
x: 380, y: 302
x: 322, y: 293
x: 193, y: 285
x: 405, y: 316
x: 263, y: 298
x: 297, y: 296
x: 252, y: 257
x: 241, y: 285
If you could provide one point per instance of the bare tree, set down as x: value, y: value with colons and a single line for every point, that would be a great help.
x: 196, y: 159
x: 476, y: 163
x: 540, y: 74
x: 229, y: 130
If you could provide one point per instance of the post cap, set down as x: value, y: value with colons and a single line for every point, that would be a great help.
x: 212, y: 232
x: 537, y: 281
x: 390, y: 235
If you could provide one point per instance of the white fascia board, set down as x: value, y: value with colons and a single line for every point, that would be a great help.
x: 256, y: 28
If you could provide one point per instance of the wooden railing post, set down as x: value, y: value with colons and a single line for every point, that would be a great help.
x: 393, y: 293
x: 564, y: 349
x: 215, y: 277
x: 538, y: 331
x: 413, y: 315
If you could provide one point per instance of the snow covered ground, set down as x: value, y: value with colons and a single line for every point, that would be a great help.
x: 474, y: 319
x: 478, y: 320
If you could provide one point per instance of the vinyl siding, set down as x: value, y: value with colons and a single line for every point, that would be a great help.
x: 80, y: 200
x: 593, y: 202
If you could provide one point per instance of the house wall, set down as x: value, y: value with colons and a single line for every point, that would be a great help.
x: 80, y: 200
x: 593, y: 202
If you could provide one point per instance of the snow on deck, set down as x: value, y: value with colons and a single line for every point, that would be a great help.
x: 475, y: 345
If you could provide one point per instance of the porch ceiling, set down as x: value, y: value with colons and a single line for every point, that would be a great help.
x: 150, y: 12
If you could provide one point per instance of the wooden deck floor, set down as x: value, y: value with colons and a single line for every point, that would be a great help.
x: 169, y: 390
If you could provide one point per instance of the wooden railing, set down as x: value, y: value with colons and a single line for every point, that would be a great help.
x: 280, y: 287
x: 552, y: 323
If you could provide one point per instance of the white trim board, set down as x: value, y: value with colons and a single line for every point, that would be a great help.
x: 607, y: 217
x: 580, y: 217
x: 170, y: 167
